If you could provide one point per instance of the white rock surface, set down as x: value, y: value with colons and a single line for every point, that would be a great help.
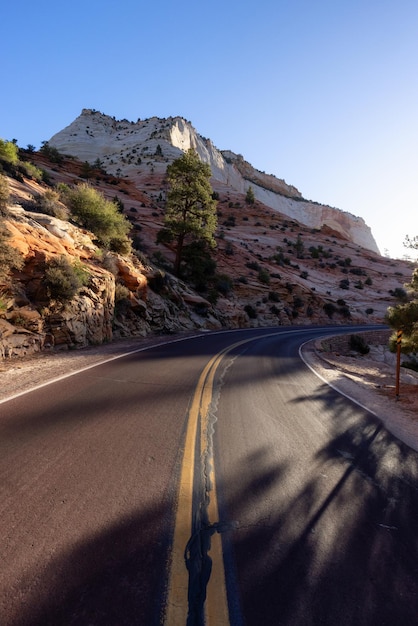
x: 134, y: 148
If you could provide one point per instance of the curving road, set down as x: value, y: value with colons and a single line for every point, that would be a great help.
x: 214, y: 480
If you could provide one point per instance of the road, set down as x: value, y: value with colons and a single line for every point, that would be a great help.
x: 210, y: 481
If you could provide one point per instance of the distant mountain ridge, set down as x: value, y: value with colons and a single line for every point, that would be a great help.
x: 138, y: 149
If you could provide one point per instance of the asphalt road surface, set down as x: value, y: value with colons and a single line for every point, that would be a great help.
x: 214, y: 480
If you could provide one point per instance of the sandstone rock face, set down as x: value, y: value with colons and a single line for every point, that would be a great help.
x: 87, y: 318
x: 92, y: 316
x: 136, y: 148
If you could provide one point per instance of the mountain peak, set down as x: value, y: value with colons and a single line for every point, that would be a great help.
x: 139, y: 149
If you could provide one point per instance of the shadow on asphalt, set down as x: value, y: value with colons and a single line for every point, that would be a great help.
x: 343, y: 549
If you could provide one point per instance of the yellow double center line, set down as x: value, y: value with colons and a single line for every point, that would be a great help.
x: 216, y: 606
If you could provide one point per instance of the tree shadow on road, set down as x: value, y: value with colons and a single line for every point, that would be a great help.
x: 114, y: 578
x: 340, y: 548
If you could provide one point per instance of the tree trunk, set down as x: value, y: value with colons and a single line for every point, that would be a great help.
x: 179, y: 251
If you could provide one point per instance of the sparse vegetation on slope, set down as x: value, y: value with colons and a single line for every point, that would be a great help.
x: 235, y: 284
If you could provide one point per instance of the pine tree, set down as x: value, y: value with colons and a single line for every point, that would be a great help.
x: 404, y: 316
x: 190, y: 211
x: 250, y: 198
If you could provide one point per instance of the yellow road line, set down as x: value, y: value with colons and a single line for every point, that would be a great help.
x: 216, y: 606
x: 177, y: 602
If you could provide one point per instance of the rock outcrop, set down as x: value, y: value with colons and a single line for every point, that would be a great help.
x: 138, y: 148
x: 95, y: 314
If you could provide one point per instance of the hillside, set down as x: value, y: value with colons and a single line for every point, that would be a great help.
x: 271, y: 268
x: 136, y: 149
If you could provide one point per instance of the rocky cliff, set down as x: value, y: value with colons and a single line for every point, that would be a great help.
x: 147, y: 146
x: 30, y: 321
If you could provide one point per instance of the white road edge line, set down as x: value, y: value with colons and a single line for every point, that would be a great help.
x: 327, y: 382
x: 89, y: 367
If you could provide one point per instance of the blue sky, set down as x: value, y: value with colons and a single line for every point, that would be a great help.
x: 321, y: 93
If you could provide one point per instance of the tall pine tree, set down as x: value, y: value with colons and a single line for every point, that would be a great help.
x: 190, y: 211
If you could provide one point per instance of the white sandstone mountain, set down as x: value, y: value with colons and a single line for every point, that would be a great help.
x: 138, y: 149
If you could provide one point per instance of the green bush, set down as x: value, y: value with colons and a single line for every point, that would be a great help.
x: 249, y: 197
x: 121, y: 292
x: 51, y: 153
x: 358, y: 343
x: 399, y: 293
x: 250, y: 311
x: 50, y: 203
x: 92, y: 211
x: 9, y: 152
x: 253, y: 265
x: 4, y: 195
x: 264, y: 277
x: 62, y: 279
x: 329, y: 309
x: 345, y: 312
x: 223, y: 284
x: 31, y: 171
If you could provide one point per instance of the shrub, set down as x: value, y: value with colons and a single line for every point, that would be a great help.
x: 329, y: 309
x: 9, y: 152
x: 249, y: 197
x: 253, y: 265
x: 50, y: 204
x: 4, y: 195
x: 31, y: 171
x: 345, y: 312
x: 264, y: 276
x: 344, y: 283
x: 91, y: 210
x: 223, y: 284
x: 62, y: 279
x: 121, y: 292
x: 250, y: 311
x: 9, y: 257
x: 230, y: 221
x: 358, y: 343
x: 51, y: 153
x: 399, y: 293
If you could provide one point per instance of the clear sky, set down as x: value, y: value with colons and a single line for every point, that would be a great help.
x: 321, y: 93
